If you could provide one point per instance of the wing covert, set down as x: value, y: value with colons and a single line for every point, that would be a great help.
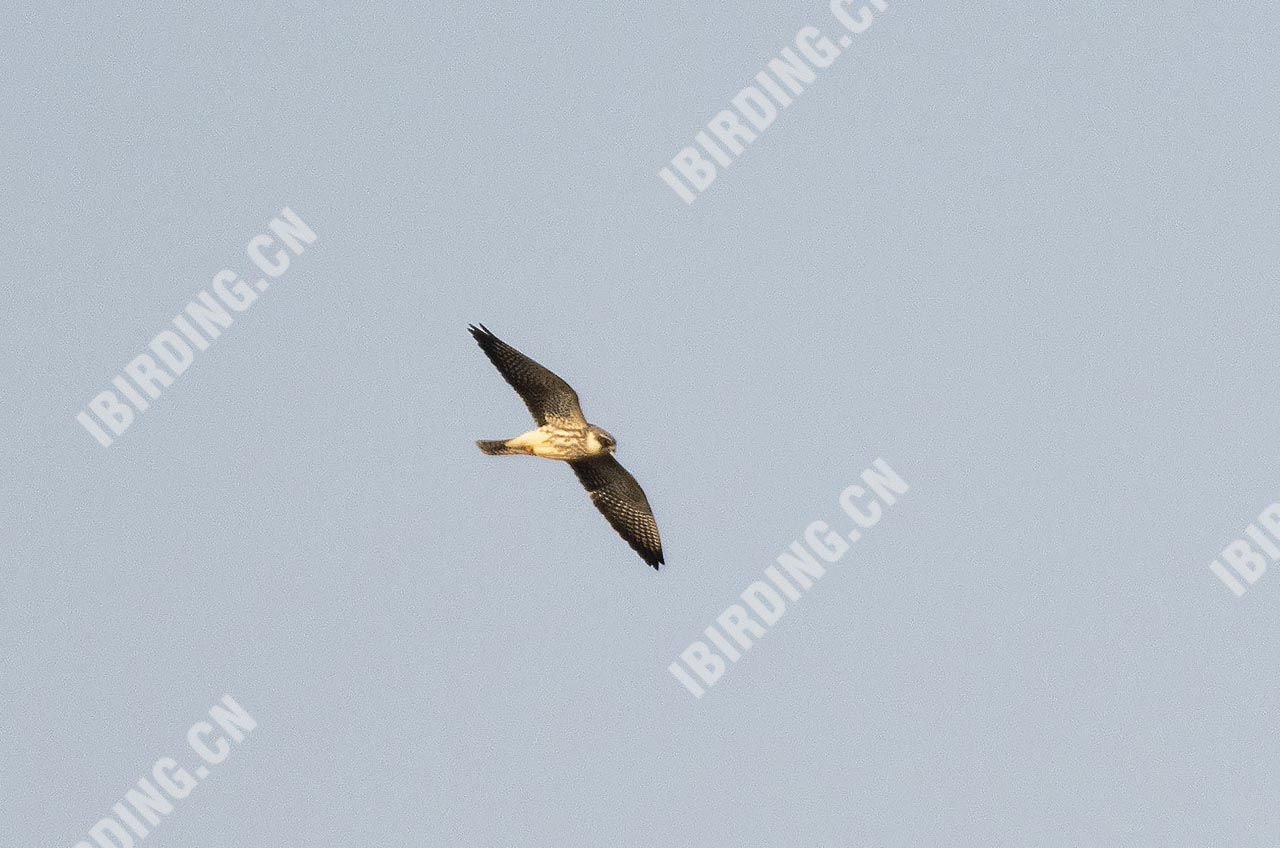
x: 546, y: 395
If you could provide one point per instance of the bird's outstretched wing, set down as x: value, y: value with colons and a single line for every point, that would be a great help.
x: 546, y: 395
x: 617, y: 494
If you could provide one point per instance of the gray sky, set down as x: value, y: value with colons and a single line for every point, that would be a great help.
x: 1028, y: 256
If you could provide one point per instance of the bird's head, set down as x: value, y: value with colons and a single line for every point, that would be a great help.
x: 603, y: 442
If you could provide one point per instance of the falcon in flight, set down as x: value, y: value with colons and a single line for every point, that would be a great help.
x: 563, y: 433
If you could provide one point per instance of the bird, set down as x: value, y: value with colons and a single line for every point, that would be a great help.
x: 563, y: 433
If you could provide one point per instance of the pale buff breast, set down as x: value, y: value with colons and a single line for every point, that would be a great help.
x: 552, y: 442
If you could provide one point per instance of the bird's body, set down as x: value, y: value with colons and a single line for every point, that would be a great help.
x: 563, y: 433
x: 550, y: 441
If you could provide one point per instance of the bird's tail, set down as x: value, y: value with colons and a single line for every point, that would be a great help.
x: 496, y: 447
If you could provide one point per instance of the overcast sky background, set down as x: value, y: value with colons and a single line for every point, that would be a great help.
x: 1027, y: 255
